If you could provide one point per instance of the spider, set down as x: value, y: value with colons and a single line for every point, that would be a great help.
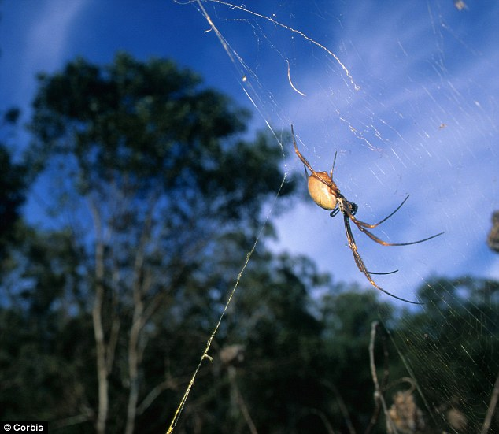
x: 326, y: 194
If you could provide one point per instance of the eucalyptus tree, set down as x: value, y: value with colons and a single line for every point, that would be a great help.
x: 148, y: 167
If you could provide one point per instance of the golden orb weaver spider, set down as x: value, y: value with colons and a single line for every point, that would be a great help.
x: 326, y: 194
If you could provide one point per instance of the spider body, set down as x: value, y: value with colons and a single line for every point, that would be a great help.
x: 327, y: 195
x: 321, y: 192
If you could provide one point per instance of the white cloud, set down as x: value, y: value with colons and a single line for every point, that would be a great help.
x: 48, y: 37
x: 45, y: 44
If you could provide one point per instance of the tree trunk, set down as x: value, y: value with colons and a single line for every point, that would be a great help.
x: 102, y: 381
x: 101, y: 362
x: 134, y: 357
x: 141, y: 285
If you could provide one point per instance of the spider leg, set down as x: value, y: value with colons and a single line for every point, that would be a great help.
x: 360, y: 263
x: 372, y: 226
x: 334, y: 163
x: 330, y: 183
x: 353, y: 209
x: 300, y: 156
x: 362, y: 227
x: 384, y: 274
x: 384, y: 243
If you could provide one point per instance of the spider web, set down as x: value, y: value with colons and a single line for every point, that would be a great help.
x: 406, y: 94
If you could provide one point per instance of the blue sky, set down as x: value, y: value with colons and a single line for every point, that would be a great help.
x: 417, y: 112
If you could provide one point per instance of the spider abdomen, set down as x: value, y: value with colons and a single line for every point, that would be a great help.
x: 320, y: 192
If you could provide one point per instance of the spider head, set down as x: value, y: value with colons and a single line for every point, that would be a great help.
x: 353, y: 207
x: 322, y: 191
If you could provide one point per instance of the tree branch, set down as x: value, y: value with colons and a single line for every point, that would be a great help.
x: 379, y: 398
x: 492, y: 407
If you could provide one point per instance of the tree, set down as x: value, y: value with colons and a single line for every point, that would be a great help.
x: 454, y: 334
x: 12, y: 188
x: 150, y: 157
x: 43, y: 368
x: 279, y: 380
x: 347, y: 316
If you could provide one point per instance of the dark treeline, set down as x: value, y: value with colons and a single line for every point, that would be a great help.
x: 154, y: 200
